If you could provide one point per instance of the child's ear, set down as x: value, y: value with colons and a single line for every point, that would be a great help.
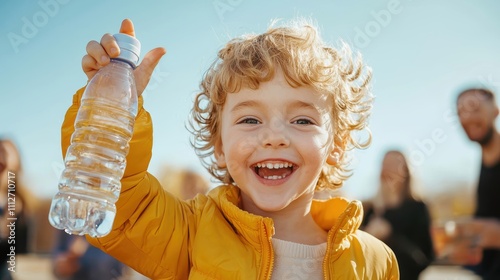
x: 219, y: 155
x: 334, y: 157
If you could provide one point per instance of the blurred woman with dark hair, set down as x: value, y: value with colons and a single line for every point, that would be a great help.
x: 399, y: 219
x: 16, y: 201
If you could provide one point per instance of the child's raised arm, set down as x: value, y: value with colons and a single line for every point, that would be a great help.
x: 149, y: 230
x: 99, y: 54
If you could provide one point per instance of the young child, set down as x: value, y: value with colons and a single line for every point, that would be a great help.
x: 272, y: 122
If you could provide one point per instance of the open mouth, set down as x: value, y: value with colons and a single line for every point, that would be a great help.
x: 275, y: 170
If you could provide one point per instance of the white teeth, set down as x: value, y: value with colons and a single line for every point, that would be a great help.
x: 274, y: 165
x: 274, y: 177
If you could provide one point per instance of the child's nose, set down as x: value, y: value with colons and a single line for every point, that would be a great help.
x: 274, y: 135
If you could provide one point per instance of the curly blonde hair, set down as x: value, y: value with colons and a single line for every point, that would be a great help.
x: 297, y: 50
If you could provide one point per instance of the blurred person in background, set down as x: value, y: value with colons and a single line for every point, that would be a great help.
x: 396, y: 217
x: 15, y: 202
x: 183, y: 183
x: 477, y: 112
x: 75, y: 259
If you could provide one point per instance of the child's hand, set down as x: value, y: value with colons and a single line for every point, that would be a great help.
x: 99, y: 54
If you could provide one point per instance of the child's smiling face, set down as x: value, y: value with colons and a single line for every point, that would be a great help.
x: 274, y: 143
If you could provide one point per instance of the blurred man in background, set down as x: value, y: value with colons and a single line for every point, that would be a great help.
x: 477, y: 112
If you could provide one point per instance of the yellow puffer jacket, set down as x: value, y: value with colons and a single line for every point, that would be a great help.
x: 209, y: 237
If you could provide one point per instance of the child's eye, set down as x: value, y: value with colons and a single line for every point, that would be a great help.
x: 249, y: 121
x: 302, y: 121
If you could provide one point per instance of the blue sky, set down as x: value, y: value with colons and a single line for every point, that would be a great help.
x: 421, y: 52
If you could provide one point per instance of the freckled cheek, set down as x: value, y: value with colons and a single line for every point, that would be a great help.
x: 237, y: 150
x: 237, y: 155
x: 238, y: 142
x: 314, y: 148
x: 321, y: 141
x: 244, y: 145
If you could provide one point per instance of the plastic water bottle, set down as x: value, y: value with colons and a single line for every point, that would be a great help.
x: 95, y: 161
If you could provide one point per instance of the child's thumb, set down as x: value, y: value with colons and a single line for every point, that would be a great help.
x: 147, y: 66
x: 152, y: 58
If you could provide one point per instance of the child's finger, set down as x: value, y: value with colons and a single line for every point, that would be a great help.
x: 110, y: 45
x: 89, y: 64
x: 97, y: 52
x: 127, y: 27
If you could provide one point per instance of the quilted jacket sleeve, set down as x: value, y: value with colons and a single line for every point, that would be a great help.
x: 150, y: 231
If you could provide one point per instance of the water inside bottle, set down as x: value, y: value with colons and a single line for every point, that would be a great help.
x: 81, y: 214
x: 94, y: 164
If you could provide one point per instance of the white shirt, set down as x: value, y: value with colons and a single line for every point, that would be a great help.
x: 297, y: 261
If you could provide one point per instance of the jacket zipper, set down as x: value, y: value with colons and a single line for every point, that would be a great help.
x: 269, y: 262
x: 330, y: 239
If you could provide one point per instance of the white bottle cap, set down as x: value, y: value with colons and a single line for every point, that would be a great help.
x: 130, y: 48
